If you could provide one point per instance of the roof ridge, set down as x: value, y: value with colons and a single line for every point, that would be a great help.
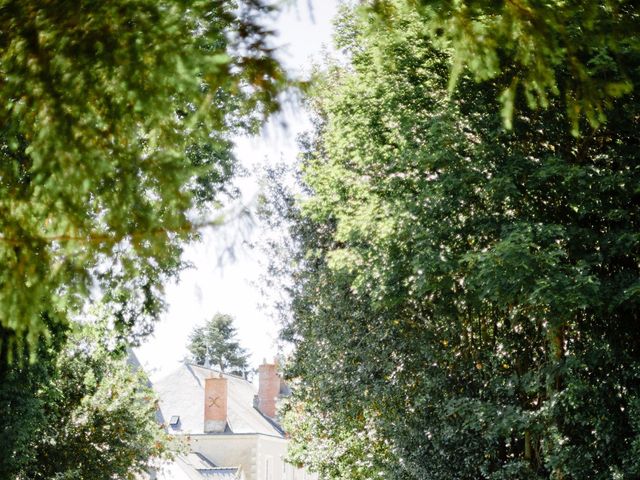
x: 217, y: 371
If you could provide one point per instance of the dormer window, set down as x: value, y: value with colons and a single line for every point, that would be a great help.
x: 174, y: 421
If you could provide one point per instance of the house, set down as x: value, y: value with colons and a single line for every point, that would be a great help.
x: 231, y: 427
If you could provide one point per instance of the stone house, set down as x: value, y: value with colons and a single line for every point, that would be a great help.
x: 232, y: 429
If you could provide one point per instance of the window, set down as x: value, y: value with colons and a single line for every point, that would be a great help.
x: 268, y: 468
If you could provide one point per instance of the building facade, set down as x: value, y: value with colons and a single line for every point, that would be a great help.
x: 230, y: 427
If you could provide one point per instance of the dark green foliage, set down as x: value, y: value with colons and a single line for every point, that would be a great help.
x: 215, y: 344
x: 22, y: 410
x: 465, y: 298
x: 585, y: 52
x: 80, y: 412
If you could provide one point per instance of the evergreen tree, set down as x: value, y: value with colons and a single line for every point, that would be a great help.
x: 215, y: 344
x: 115, y: 127
x: 115, y: 120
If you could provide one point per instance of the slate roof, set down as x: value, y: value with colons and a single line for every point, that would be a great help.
x: 207, y: 470
x: 219, y: 474
x: 181, y: 393
x: 196, y: 466
x: 136, y: 366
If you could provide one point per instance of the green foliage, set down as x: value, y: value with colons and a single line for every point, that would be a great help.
x: 22, y: 408
x: 215, y: 343
x: 114, y: 125
x: 584, y: 51
x: 464, y: 297
x: 81, y: 412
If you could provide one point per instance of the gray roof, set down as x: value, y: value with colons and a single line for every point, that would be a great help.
x: 182, y: 393
x: 195, y: 466
x: 207, y: 470
x: 198, y: 461
x: 136, y: 366
x: 219, y: 473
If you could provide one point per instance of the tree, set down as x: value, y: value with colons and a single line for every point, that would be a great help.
x: 215, y: 343
x: 114, y: 129
x: 81, y: 412
x: 22, y: 407
x: 115, y: 147
x: 582, y: 51
x: 464, y: 298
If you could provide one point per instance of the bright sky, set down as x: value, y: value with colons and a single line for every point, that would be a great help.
x: 304, y: 31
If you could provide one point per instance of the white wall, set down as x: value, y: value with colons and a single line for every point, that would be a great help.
x: 261, y: 457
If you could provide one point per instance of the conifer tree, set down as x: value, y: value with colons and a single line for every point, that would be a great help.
x: 115, y: 124
x: 215, y: 344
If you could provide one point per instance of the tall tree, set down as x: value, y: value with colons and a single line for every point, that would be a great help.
x: 465, y: 298
x: 215, y: 343
x: 114, y: 125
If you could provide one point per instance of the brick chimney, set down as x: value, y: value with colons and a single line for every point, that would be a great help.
x: 268, y: 389
x: 215, y: 405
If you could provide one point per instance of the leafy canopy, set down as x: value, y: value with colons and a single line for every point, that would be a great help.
x: 113, y: 127
x: 585, y: 52
x: 464, y: 298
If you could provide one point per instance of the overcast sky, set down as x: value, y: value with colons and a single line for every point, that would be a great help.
x: 233, y: 286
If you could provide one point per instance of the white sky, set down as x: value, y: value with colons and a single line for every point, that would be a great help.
x: 209, y: 287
